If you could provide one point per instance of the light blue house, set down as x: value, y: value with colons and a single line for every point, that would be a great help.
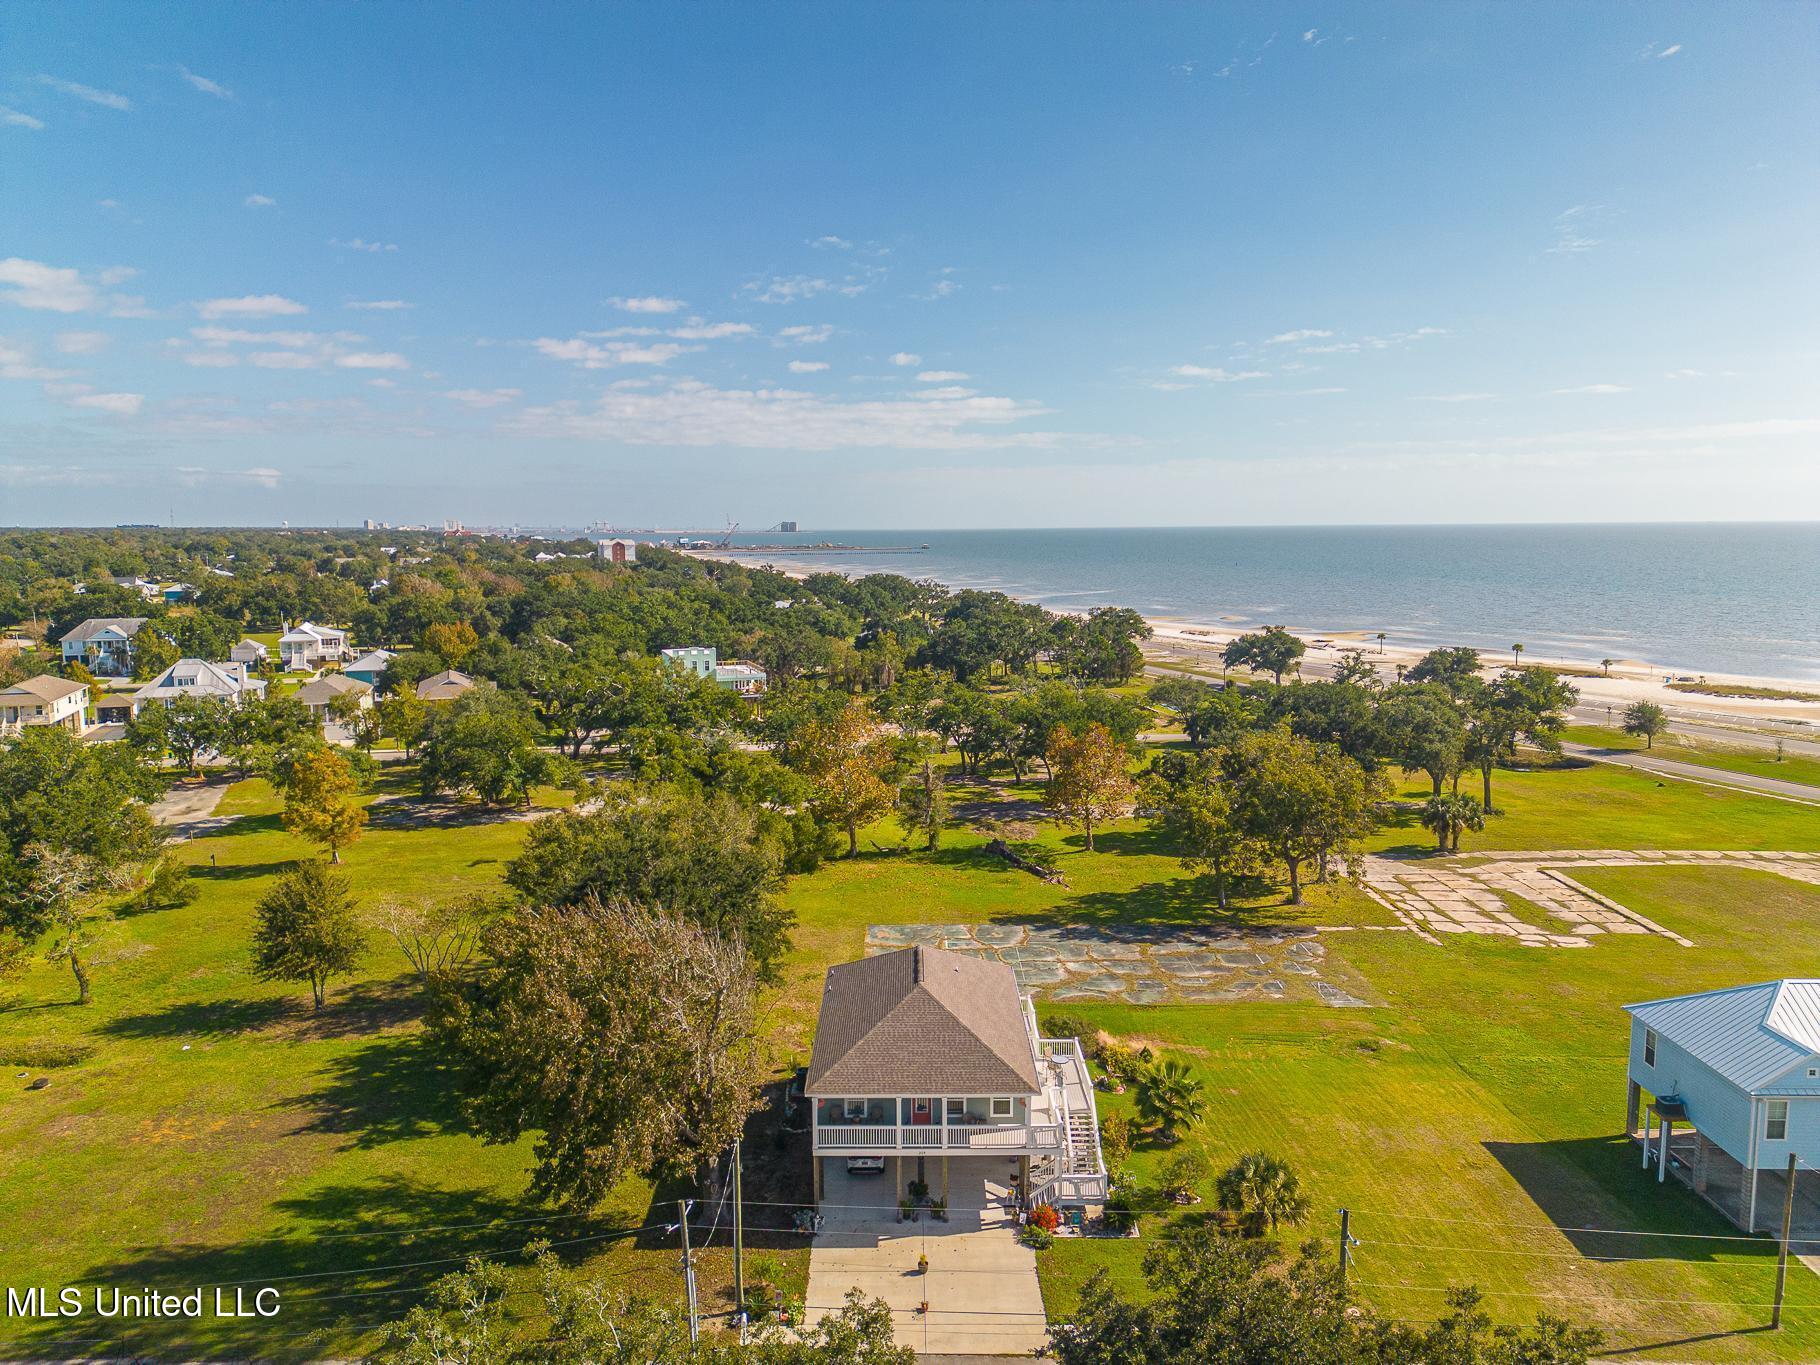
x: 703, y: 661
x: 1727, y: 1085
x: 370, y: 667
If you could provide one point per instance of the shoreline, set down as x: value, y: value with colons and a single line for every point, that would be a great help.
x: 1629, y: 680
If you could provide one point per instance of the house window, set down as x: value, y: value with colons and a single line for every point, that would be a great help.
x: 853, y: 1109
x: 1001, y: 1107
x: 1649, y: 1047
x: 956, y: 1108
x: 1775, y: 1121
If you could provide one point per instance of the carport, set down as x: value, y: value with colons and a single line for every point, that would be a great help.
x: 981, y: 1286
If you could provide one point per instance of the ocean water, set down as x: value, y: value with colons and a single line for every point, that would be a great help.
x: 1711, y: 597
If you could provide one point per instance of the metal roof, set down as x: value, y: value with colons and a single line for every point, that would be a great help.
x: 127, y: 626
x: 1748, y: 1034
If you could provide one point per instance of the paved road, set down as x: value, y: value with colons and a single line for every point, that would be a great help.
x: 1698, y: 772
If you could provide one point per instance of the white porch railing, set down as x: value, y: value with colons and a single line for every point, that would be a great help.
x: 1008, y: 1137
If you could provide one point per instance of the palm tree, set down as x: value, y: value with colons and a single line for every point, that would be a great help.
x: 1380, y: 642
x: 1264, y: 1192
x: 1606, y: 665
x: 1451, y: 815
x: 1170, y: 1097
x: 1516, y: 652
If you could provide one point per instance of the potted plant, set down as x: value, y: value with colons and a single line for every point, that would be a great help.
x: 919, y: 1190
x: 922, y: 1264
x: 906, y: 1211
x: 938, y: 1209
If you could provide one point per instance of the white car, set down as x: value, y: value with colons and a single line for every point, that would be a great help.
x: 865, y: 1165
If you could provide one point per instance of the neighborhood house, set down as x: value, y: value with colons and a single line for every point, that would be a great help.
x: 444, y: 686
x: 249, y: 652
x: 306, y: 647
x: 929, y: 1065
x: 318, y: 693
x: 703, y: 661
x: 104, y: 645
x: 369, y: 666
x: 1727, y: 1084
x: 199, y: 678
x: 43, y: 700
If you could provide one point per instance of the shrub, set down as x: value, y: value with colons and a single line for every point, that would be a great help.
x: 1185, y: 1170
x: 1263, y: 1191
x: 168, y: 888
x: 1069, y: 1026
x: 1044, y: 1216
x: 1037, y: 1239
x: 47, y: 1054
x: 1115, y: 1139
x: 1120, y: 1062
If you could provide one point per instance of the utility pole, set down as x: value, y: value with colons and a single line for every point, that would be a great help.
x: 1347, y: 1243
x: 682, y: 1216
x: 739, y: 1237
x: 1788, y: 1218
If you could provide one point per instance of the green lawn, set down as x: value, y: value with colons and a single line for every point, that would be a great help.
x: 1707, y: 753
x: 218, y: 1133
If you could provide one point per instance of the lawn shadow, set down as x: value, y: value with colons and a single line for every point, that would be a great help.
x: 390, y: 1089
x: 352, y: 1255
x: 240, y: 872
x: 367, y: 1007
x: 1180, y: 902
x: 1585, y: 1185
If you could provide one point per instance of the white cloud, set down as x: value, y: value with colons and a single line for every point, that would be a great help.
x: 1453, y: 397
x: 381, y: 305
x: 107, y: 99
x: 712, y: 331
x: 941, y: 289
x: 230, y: 336
x: 906, y: 358
x: 122, y: 404
x: 1572, y: 227
x: 940, y: 376
x: 1686, y: 374
x: 1300, y: 334
x: 16, y: 362
x: 361, y: 244
x: 832, y: 242
x: 806, y: 334
x: 205, y: 85
x: 286, y: 360
x: 691, y: 413
x: 51, y: 288
x: 1215, y: 374
x: 259, y: 201
x: 212, y: 360
x: 1594, y: 388
x: 791, y: 288
x: 592, y: 355
x: 807, y: 366
x: 483, y: 398
x: 251, y: 306
x: 373, y: 360
x: 650, y: 303
x: 81, y: 343
x: 1308, y: 35
x: 1655, y: 53
x: 13, y: 118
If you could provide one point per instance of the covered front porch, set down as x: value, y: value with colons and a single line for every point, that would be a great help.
x: 860, y: 1124
x: 1670, y: 1145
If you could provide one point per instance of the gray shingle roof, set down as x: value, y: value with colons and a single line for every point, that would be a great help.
x: 921, y: 1021
x: 321, y: 691
x: 1748, y: 1034
x: 126, y: 625
x: 45, y: 687
x: 443, y: 686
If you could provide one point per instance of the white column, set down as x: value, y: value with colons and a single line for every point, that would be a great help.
x: 1668, y: 1128
x: 1649, y: 1116
x: 1750, y: 1215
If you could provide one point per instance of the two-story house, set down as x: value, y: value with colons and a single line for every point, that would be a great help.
x: 199, y: 678
x: 703, y: 661
x: 1727, y: 1084
x: 104, y: 645
x: 931, y: 1063
x: 306, y: 647
x: 43, y: 700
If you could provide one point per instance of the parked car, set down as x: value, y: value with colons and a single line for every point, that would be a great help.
x: 865, y: 1165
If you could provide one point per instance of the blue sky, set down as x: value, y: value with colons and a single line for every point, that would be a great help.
x: 909, y: 265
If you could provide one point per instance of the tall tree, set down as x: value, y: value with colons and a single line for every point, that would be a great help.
x: 1527, y: 704
x: 1454, y: 667
x: 319, y: 800
x: 1264, y: 1192
x: 1272, y: 650
x: 922, y: 805
x: 483, y: 742
x: 1090, y: 782
x: 1645, y: 720
x: 1421, y: 728
x: 1200, y: 813
x: 1303, y: 801
x: 452, y: 643
x: 623, y: 1036
x: 704, y: 856
x: 1449, y: 815
x: 306, y: 929
x: 846, y: 760
x: 71, y: 889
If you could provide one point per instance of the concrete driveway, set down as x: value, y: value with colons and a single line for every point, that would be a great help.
x: 981, y: 1285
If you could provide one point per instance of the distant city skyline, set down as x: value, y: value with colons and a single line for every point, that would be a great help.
x: 909, y: 266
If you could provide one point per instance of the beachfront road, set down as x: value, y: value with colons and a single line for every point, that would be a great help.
x: 1697, y: 772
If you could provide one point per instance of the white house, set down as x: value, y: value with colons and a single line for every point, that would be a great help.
x: 1727, y: 1084
x: 703, y: 661
x: 618, y: 550
x: 104, y: 645
x: 249, y: 652
x: 305, y: 647
x: 43, y: 700
x: 932, y: 1062
x: 199, y: 678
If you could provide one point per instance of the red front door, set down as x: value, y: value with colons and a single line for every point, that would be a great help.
x: 919, y: 1111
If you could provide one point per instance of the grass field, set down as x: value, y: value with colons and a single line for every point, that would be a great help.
x: 219, y: 1133
x: 1707, y: 753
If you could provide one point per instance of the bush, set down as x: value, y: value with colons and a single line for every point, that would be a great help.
x: 1120, y: 1062
x: 1186, y: 1169
x: 47, y: 1054
x: 1044, y: 1216
x: 1116, y: 1133
x: 168, y: 888
x: 1069, y: 1026
x: 1037, y: 1239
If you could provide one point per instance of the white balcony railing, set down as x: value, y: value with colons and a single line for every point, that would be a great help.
x: 1008, y: 1137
